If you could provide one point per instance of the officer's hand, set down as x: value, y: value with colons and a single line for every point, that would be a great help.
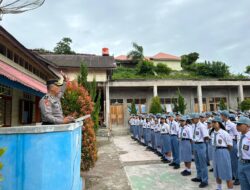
x: 67, y: 120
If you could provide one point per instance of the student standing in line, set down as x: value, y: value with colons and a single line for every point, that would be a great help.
x: 222, y: 143
x: 231, y: 129
x: 174, y: 131
x: 165, y: 140
x: 209, y: 141
x: 185, y: 136
x: 200, y: 135
x: 132, y: 124
x: 243, y: 126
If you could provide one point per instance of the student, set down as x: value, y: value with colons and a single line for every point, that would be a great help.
x: 244, y: 152
x: 165, y: 140
x: 185, y: 136
x: 148, y: 132
x: 174, y: 131
x: 200, y: 135
x: 209, y: 142
x: 231, y: 129
x: 140, y: 129
x: 132, y: 124
x: 144, y: 131
x: 136, y: 127
x: 222, y: 143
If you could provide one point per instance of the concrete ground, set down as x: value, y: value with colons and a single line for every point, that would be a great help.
x: 124, y: 164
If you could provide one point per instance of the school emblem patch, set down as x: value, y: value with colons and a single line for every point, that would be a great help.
x: 220, y: 141
x: 184, y: 134
x: 245, y: 147
x: 197, y: 133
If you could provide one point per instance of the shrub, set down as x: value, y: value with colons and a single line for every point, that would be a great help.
x: 77, y: 102
x: 163, y: 69
x: 222, y: 104
x: 2, y: 151
x: 180, y: 105
x: 155, y: 106
x: 146, y: 68
x: 133, y: 109
x: 245, y: 105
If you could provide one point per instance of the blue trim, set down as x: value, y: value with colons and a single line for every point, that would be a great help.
x: 13, y: 84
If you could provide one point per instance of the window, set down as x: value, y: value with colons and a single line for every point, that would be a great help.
x: 16, y: 58
x: 9, y: 54
x: 167, y: 104
x: 215, y: 101
x: 139, y: 103
x: 116, y: 101
x: 2, y: 49
x: 5, y: 111
x: 30, y: 68
x: 5, y: 90
x: 26, y: 65
x: 26, y: 111
x: 21, y: 62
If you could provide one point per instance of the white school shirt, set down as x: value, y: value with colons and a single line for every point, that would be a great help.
x: 199, y: 132
x: 174, y: 127
x: 165, y: 128
x: 156, y: 128
x: 186, y: 133
x: 144, y: 125
x: 231, y: 128
x: 137, y: 122
x: 152, y: 124
x: 245, y: 147
x: 223, y: 139
x: 132, y: 121
x: 148, y: 124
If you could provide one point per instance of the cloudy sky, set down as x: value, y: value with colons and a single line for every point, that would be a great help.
x: 217, y: 29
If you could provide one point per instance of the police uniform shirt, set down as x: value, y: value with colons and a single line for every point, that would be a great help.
x: 245, y: 147
x: 164, y: 128
x: 221, y: 138
x: 174, y: 127
x: 199, y: 132
x: 185, y: 132
x: 231, y: 129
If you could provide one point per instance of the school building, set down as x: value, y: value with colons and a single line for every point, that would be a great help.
x: 22, y: 82
x: 199, y: 95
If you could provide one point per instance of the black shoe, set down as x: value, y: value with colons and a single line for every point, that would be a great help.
x: 166, y: 161
x: 211, y: 170
x: 172, y: 164
x: 236, y: 182
x: 177, y: 166
x: 196, y: 179
x: 202, y: 185
x: 185, y: 173
x: 233, y: 178
x: 208, y: 164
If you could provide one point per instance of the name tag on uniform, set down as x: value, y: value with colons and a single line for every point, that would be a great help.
x: 197, y: 133
x: 163, y: 130
x: 245, y: 147
x: 184, y: 134
x: 220, y: 141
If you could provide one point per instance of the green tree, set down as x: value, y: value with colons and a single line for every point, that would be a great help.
x: 82, y: 77
x: 2, y: 151
x: 222, y: 104
x: 96, y: 112
x: 245, y: 105
x: 247, y: 69
x: 180, y: 105
x: 155, y: 106
x: 146, y: 67
x: 189, y: 59
x: 133, y: 109
x: 162, y: 68
x: 63, y: 47
x: 136, y: 54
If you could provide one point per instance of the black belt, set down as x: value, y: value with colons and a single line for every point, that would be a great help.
x: 244, y: 161
x: 221, y: 147
x: 198, y: 142
x: 173, y: 135
x: 165, y: 133
x: 185, y: 139
x: 47, y: 123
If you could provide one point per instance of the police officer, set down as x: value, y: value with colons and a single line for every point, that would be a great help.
x: 50, y: 104
x: 244, y: 153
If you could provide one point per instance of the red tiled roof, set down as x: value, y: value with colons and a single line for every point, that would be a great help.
x: 15, y: 75
x: 165, y: 56
x: 122, y: 58
x: 158, y: 56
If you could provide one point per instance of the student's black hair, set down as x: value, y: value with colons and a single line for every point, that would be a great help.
x: 189, y: 121
x: 221, y: 126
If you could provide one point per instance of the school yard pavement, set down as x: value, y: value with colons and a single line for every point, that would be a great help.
x: 123, y: 164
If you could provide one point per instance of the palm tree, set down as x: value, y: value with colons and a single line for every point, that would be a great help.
x: 136, y: 54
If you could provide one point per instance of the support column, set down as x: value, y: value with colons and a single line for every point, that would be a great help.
x: 199, y: 96
x: 107, y: 103
x: 240, y: 92
x: 155, y: 91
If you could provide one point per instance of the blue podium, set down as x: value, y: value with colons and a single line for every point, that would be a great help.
x: 42, y: 157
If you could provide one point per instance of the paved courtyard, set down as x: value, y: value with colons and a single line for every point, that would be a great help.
x: 124, y: 164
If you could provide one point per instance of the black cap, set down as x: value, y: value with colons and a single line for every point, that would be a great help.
x: 55, y: 82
